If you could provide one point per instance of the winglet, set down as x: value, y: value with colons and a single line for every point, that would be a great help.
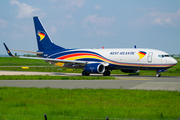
x: 8, y: 51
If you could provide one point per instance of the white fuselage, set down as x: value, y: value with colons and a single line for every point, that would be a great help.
x: 120, y: 58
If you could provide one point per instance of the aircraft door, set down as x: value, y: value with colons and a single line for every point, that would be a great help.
x: 149, y: 58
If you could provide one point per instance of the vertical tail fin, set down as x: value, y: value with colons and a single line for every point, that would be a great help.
x: 43, y: 40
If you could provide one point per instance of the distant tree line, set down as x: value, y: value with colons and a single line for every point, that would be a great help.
x: 29, y: 55
x: 175, y: 55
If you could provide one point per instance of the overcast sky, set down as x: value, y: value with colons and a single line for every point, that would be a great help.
x: 92, y: 23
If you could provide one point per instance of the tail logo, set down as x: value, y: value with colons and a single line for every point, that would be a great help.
x: 141, y: 54
x: 41, y: 35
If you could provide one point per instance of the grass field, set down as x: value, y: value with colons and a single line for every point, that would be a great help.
x: 9, y: 61
x: 82, y: 104
x: 87, y: 104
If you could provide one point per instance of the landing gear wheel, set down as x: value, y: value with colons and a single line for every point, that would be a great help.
x: 158, y: 75
x: 107, y: 73
x: 84, y: 73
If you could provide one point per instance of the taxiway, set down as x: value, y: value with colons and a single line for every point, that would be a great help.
x: 171, y: 83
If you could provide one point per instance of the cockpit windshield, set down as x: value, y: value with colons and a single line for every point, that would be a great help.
x: 163, y: 56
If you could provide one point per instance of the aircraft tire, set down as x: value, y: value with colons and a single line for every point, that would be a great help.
x: 107, y: 73
x: 84, y: 73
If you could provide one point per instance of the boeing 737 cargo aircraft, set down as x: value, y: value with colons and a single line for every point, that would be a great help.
x: 99, y: 60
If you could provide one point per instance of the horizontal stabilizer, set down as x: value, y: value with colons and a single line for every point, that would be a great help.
x: 28, y: 51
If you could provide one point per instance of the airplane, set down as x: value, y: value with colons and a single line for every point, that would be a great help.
x: 101, y: 61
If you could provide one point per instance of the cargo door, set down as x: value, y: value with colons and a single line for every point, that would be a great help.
x: 149, y: 57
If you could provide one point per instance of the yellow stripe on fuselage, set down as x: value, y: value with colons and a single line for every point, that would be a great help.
x: 123, y: 64
x: 84, y: 56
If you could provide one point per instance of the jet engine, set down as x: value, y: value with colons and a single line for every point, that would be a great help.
x: 130, y: 71
x: 94, y: 68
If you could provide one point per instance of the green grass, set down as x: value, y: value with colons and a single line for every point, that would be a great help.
x: 14, y: 61
x: 32, y: 103
x: 48, y: 77
x: 10, y: 61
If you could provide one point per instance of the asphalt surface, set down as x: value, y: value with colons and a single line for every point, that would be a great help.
x: 123, y: 81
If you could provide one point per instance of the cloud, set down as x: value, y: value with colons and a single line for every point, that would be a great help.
x: 68, y: 16
x: 97, y: 7
x: 78, y: 3
x: 159, y: 18
x: 53, y: 30
x: 24, y: 9
x: 160, y: 21
x: 168, y: 21
x: 3, y: 23
x: 103, y: 21
x: 98, y: 25
x: 103, y: 33
x: 72, y: 4
x: 65, y: 23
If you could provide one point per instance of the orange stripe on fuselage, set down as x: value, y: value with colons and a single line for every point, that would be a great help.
x: 117, y: 63
x: 78, y: 54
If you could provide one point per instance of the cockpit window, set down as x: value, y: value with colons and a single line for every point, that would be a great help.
x: 166, y: 55
x: 163, y: 56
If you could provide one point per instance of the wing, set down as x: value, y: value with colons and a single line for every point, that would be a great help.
x: 57, y: 60
x: 51, y: 60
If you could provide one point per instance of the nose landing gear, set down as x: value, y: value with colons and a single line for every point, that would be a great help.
x: 158, y: 74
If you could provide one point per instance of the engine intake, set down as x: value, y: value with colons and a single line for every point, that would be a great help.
x: 94, y: 68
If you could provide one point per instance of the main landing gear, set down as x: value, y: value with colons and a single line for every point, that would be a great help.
x: 84, y: 73
x: 107, y: 73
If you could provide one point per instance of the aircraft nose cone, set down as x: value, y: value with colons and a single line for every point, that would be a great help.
x: 172, y: 61
x: 175, y: 61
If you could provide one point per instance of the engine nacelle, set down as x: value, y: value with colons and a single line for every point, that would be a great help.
x: 94, y: 68
x: 130, y: 71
